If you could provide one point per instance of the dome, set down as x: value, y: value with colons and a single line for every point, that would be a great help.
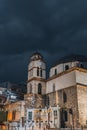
x: 72, y: 58
x: 36, y: 56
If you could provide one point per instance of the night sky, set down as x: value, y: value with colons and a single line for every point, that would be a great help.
x: 53, y: 27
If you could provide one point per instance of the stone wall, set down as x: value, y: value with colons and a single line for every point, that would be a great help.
x: 52, y: 99
x: 71, y: 94
x: 82, y: 104
x: 71, y: 102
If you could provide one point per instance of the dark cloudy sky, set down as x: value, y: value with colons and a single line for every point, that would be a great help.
x: 54, y: 27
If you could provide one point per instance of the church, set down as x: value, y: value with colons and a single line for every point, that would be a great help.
x: 59, y: 101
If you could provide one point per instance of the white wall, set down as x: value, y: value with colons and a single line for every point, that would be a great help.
x: 81, y: 77
x: 61, y: 82
x: 61, y: 67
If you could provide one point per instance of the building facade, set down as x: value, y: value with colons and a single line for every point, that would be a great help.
x: 64, y: 92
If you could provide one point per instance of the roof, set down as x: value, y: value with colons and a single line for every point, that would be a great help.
x: 36, y: 55
x: 71, y: 58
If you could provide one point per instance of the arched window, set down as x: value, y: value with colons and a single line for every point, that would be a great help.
x: 37, y: 71
x: 64, y: 97
x: 66, y: 67
x: 55, y: 71
x: 65, y: 115
x: 39, y: 88
x: 41, y: 72
x: 30, y: 88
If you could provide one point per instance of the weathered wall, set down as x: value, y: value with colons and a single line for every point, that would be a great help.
x: 71, y: 93
x: 71, y: 102
x: 82, y: 104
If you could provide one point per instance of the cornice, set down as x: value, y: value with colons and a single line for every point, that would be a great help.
x: 60, y: 74
x: 67, y: 71
x: 38, y: 79
x: 35, y: 68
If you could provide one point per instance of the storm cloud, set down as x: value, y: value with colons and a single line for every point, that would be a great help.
x: 53, y: 27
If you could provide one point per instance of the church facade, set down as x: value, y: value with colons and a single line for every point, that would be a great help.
x: 62, y: 97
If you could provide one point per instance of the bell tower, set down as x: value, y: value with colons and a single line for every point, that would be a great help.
x: 36, y: 75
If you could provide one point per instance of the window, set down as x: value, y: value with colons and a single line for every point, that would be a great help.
x: 65, y: 115
x: 30, y: 88
x: 53, y: 87
x: 55, y: 71
x: 29, y: 116
x: 55, y: 113
x: 66, y: 67
x: 39, y: 88
x: 41, y: 72
x: 64, y: 97
x: 37, y: 71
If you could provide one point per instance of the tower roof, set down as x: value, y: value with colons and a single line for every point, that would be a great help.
x: 36, y: 56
